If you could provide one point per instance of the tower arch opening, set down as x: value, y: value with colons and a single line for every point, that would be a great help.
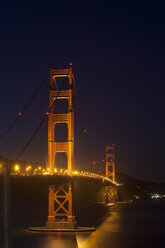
x: 61, y: 106
x: 59, y: 82
x: 61, y: 161
x: 61, y: 132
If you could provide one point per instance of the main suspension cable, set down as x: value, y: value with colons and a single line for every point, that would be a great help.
x: 24, y: 109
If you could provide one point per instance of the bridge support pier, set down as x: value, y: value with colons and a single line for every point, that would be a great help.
x: 61, y: 210
x: 61, y: 206
x: 110, y: 194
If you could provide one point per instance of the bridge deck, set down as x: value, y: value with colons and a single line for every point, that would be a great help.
x: 65, y: 177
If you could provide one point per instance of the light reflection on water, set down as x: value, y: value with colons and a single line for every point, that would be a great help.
x: 59, y: 240
x: 97, y: 239
x: 101, y: 237
x: 124, y: 226
x: 68, y: 240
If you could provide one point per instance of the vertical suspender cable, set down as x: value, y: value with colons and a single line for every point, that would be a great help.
x: 82, y: 121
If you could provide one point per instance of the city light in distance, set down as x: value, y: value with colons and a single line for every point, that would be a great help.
x: 155, y: 196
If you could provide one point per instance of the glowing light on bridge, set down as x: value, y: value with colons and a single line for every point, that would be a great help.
x: 17, y: 168
x: 61, y: 172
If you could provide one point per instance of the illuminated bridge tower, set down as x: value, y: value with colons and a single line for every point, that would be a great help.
x: 68, y: 118
x: 110, y: 172
x: 61, y: 214
x: 110, y: 162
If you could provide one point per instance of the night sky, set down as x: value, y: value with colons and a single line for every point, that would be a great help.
x: 117, y: 50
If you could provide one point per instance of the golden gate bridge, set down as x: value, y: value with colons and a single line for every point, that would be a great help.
x: 28, y: 140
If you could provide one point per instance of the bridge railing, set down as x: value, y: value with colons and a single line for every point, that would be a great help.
x: 61, y: 172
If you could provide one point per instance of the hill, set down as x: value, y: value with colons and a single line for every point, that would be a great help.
x: 134, y: 188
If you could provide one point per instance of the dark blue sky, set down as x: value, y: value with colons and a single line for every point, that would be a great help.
x: 118, y: 52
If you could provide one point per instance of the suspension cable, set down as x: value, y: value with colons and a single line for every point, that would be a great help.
x: 78, y: 103
x: 82, y: 120
x: 83, y: 126
x: 41, y: 123
x: 25, y: 108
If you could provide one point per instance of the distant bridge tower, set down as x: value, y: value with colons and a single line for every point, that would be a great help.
x: 110, y: 162
x: 68, y: 118
x: 111, y: 193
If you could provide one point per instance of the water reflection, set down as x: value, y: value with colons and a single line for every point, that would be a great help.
x: 100, y: 238
x: 125, y: 225
x: 110, y: 224
x: 59, y: 240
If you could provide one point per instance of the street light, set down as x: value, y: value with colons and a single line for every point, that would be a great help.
x: 17, y: 168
